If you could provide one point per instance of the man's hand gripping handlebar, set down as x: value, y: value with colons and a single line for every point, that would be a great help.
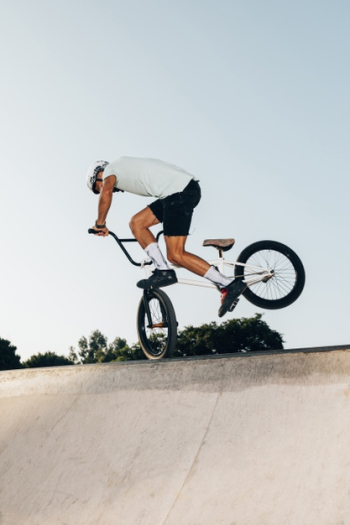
x: 120, y: 242
x: 101, y: 232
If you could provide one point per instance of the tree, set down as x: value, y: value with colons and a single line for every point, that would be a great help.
x: 96, y: 349
x: 47, y: 359
x: 8, y: 358
x: 201, y: 340
x: 90, y: 350
x: 236, y: 335
x: 130, y: 353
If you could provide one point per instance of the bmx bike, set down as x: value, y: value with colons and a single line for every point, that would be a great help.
x: 273, y: 273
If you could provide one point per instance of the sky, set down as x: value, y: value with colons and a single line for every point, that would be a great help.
x: 251, y: 97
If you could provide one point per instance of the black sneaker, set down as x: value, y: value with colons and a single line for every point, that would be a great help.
x: 158, y: 279
x: 229, y: 296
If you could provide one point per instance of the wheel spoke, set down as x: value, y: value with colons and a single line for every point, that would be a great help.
x: 157, y: 333
x: 280, y: 284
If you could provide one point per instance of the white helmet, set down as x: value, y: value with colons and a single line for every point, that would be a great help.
x: 93, y: 171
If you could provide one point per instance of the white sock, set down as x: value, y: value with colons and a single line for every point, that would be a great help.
x: 154, y: 253
x: 217, y: 278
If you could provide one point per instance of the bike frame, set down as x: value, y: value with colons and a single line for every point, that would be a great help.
x: 258, y: 273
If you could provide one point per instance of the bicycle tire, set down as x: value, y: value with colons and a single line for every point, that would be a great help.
x: 158, y: 340
x: 288, y: 280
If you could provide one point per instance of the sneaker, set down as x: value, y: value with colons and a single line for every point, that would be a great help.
x: 229, y: 296
x: 158, y: 279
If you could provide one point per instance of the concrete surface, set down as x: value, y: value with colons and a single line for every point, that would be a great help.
x: 243, y: 440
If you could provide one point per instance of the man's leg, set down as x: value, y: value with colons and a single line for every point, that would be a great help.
x: 140, y: 224
x: 163, y: 274
x: 177, y: 255
x: 230, y: 289
x: 177, y: 217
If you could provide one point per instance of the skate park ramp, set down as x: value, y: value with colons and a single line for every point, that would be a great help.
x: 247, y: 439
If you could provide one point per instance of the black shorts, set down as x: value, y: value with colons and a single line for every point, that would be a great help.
x: 175, y: 211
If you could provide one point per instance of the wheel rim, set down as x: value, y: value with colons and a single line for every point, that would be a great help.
x: 283, y: 275
x: 156, y: 335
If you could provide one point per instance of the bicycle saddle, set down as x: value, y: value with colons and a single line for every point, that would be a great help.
x: 220, y: 244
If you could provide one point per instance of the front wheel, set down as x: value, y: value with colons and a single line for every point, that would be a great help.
x: 156, y: 324
x: 273, y: 272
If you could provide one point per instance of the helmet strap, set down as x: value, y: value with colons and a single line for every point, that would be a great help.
x: 94, y: 186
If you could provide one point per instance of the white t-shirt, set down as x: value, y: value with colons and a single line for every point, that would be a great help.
x: 148, y: 177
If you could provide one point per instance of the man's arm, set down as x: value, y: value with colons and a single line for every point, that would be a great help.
x: 104, y: 203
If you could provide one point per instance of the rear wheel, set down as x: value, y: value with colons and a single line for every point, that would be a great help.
x: 156, y: 324
x: 283, y: 270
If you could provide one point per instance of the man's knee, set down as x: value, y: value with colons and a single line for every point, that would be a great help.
x: 133, y: 223
x: 175, y: 257
x: 137, y: 222
x: 143, y: 220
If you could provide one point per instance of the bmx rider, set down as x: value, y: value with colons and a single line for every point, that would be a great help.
x: 177, y: 193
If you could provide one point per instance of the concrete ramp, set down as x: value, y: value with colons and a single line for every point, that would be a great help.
x: 239, y: 440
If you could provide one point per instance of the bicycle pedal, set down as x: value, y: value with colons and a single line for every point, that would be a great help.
x: 233, y: 305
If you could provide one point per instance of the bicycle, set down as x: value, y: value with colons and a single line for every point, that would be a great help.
x: 273, y: 272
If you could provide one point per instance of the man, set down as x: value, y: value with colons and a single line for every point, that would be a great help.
x: 178, y: 193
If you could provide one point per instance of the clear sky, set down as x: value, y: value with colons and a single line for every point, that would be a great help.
x: 252, y: 97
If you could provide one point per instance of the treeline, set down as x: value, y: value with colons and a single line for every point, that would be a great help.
x: 236, y: 335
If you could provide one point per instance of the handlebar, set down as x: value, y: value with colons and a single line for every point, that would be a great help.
x: 120, y: 243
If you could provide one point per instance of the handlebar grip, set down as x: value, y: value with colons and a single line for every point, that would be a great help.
x: 91, y: 230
